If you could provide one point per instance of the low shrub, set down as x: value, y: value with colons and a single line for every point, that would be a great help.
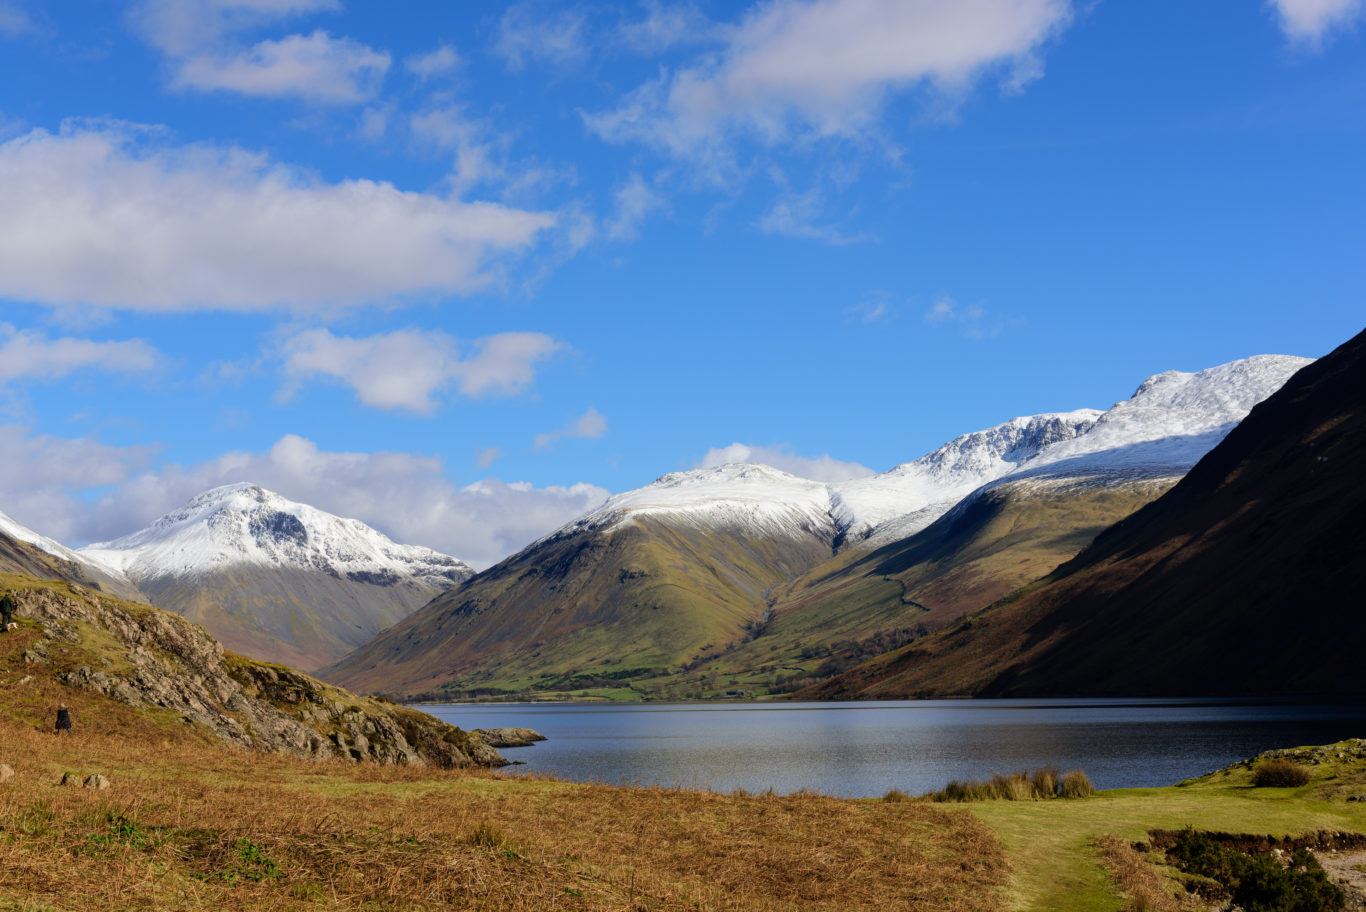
x: 1279, y: 773
x: 1259, y: 883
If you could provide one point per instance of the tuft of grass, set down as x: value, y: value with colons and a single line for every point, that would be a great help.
x: 1279, y: 773
x: 1040, y: 785
x: 896, y: 795
x: 1076, y: 784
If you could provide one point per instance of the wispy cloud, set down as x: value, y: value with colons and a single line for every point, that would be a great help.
x: 28, y: 354
x: 872, y: 308
x: 634, y: 200
x: 821, y: 468
x: 433, y: 63
x: 409, y: 370
x: 488, y: 456
x: 110, y: 215
x: 1310, y: 22
x: 800, y: 215
x: 667, y: 25
x: 973, y: 320
x: 15, y: 21
x: 590, y: 424
x: 531, y: 31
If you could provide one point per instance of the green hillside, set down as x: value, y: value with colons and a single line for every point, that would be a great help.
x: 661, y: 608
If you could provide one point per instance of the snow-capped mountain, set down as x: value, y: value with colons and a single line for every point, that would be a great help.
x: 276, y: 579
x: 1172, y: 420
x: 243, y: 524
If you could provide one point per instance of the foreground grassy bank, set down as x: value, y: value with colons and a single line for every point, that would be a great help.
x: 189, y: 826
x: 1056, y: 851
x: 193, y: 827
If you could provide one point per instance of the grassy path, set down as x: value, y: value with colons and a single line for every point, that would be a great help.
x: 1050, y: 844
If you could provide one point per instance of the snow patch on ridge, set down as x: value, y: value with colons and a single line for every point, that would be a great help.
x: 17, y: 530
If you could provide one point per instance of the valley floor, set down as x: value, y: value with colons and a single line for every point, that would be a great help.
x: 187, y: 826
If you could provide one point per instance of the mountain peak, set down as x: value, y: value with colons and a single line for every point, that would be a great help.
x: 244, y: 523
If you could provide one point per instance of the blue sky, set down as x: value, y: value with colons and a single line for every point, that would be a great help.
x: 461, y: 269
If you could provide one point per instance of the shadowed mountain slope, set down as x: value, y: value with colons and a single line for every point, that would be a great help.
x: 867, y: 601
x: 1245, y: 578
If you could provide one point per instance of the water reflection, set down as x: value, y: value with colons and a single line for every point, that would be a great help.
x: 865, y: 749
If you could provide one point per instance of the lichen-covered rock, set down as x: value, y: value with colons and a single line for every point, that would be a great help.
x: 168, y: 662
x: 95, y: 781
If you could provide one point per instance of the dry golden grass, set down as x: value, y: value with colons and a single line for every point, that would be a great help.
x: 190, y: 826
x: 1142, y: 886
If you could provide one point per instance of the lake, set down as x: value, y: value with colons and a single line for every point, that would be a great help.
x: 865, y: 749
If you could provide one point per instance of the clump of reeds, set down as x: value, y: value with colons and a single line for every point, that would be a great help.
x: 1279, y: 773
x: 1043, y: 783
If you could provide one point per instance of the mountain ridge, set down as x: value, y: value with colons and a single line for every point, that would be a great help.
x: 1242, y: 579
x: 779, y: 526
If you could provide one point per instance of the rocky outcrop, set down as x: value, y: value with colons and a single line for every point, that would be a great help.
x: 508, y: 737
x: 159, y: 659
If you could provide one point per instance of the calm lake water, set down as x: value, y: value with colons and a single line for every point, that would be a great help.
x: 865, y: 749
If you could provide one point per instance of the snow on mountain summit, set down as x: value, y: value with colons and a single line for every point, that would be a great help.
x: 916, y: 493
x: 753, y: 495
x: 246, y: 524
x: 1172, y: 420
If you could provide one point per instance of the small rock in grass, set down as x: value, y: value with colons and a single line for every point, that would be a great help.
x: 6, y: 772
x: 95, y: 781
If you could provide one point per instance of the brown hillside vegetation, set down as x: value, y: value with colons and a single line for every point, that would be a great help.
x: 188, y: 827
x: 1245, y: 578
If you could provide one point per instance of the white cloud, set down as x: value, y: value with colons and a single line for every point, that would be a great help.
x: 201, y: 39
x: 488, y: 457
x: 433, y: 63
x: 1309, y: 21
x: 103, y: 214
x: 824, y: 68
x: 405, y: 496
x: 822, y: 468
x: 635, y: 200
x: 528, y: 31
x: 975, y: 321
x: 797, y: 215
x: 43, y: 476
x: 407, y: 369
x: 29, y: 354
x: 590, y: 424
x: 316, y: 67
x: 182, y: 27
